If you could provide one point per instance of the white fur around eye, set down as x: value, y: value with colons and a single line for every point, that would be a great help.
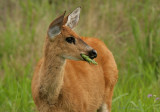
x: 73, y: 18
x: 54, y: 31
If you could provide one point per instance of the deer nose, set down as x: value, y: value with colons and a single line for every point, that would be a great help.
x: 93, y: 54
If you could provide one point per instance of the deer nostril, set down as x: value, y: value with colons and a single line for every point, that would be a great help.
x: 93, y: 54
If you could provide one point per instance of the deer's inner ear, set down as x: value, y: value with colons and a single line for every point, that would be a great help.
x: 73, y: 18
x: 54, y: 31
x: 55, y: 27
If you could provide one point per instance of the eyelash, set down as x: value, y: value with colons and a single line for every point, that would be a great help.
x: 70, y: 40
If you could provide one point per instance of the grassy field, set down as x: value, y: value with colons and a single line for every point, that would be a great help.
x: 130, y: 29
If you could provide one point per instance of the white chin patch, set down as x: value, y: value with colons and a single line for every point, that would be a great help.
x: 104, y: 108
x: 71, y: 58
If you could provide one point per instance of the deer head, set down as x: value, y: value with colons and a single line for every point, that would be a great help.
x: 64, y: 41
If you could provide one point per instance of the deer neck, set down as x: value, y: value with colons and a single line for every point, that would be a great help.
x: 51, y: 79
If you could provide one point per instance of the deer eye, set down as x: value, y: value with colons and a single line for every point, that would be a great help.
x: 70, y: 40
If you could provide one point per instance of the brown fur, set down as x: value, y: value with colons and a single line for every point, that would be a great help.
x: 62, y: 85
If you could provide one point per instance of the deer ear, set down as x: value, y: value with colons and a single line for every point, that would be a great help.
x: 73, y: 18
x: 55, y: 27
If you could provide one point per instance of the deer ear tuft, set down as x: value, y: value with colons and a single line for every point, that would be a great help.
x: 55, y: 27
x: 73, y: 18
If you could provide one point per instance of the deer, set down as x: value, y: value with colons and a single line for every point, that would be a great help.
x: 63, y: 81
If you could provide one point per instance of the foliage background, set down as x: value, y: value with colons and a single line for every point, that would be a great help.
x: 130, y: 29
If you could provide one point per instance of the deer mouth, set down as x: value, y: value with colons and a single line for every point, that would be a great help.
x: 83, y: 57
x: 88, y: 59
x: 91, y: 57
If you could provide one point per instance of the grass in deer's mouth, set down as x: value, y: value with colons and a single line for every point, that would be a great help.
x: 88, y: 59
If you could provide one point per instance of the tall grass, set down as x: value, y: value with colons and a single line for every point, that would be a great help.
x: 130, y: 29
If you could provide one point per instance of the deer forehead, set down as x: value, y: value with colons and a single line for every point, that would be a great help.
x: 67, y: 32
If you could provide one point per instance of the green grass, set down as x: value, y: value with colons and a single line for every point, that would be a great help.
x: 130, y: 29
